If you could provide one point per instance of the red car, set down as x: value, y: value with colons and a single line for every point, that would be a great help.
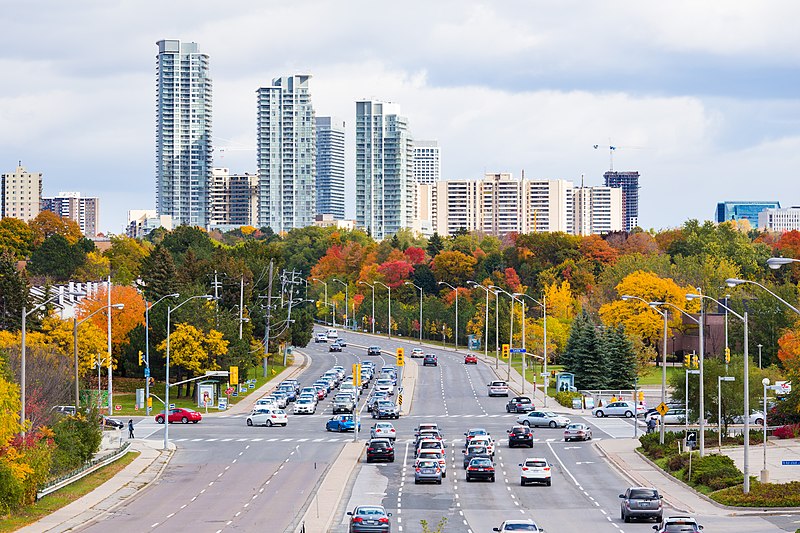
x: 470, y: 359
x: 181, y: 415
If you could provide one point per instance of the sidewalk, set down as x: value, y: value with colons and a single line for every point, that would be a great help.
x: 777, y: 450
x: 140, y: 473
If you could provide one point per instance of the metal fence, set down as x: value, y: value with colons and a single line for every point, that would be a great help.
x: 78, y: 473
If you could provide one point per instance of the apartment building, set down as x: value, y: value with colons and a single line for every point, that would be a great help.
x: 233, y: 199
x: 82, y: 209
x: 779, y: 219
x: 21, y: 194
x: 330, y: 167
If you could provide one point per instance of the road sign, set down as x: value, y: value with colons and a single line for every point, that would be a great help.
x: 517, y: 350
x: 544, y: 374
x: 172, y: 406
x: 118, y: 408
x: 400, y: 399
x: 147, y: 371
x: 662, y: 408
x: 790, y: 463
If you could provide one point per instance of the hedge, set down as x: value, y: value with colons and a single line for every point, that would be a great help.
x: 761, y: 495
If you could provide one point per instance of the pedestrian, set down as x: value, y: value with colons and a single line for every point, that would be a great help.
x: 130, y: 429
x: 651, y: 424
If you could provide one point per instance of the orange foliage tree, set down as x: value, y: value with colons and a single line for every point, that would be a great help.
x: 122, y: 320
x: 789, y: 349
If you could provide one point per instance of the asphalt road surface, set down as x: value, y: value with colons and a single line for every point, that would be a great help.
x: 226, y: 476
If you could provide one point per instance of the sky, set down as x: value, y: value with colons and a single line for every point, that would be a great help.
x: 700, y: 97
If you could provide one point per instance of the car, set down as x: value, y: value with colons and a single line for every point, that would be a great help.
x: 674, y: 416
x: 470, y: 359
x: 111, y: 422
x: 293, y: 382
x: 426, y: 425
x: 520, y: 436
x: 181, y: 415
x: 375, y: 397
x: 335, y: 347
x: 429, y: 434
x: 534, y: 470
x: 368, y: 364
x: 304, y: 406
x: 266, y: 416
x: 341, y: 423
x: 429, y: 445
x: 524, y: 524
x: 427, y: 471
x: 384, y: 384
x: 281, y: 398
x: 439, y: 457
x: 484, y: 440
x: 322, y: 391
x: 369, y: 519
x: 380, y: 449
x: 675, y: 524
x: 311, y: 397
x: 577, y: 431
x: 474, y: 432
x: 480, y: 468
x: 267, y: 401
x: 475, y: 451
x: 320, y: 337
x: 620, y: 408
x: 341, y: 342
x: 756, y: 418
x: 543, y: 419
x: 384, y: 430
x: 64, y: 409
x: 332, y: 334
x: 417, y: 353
x: 343, y: 404
x: 641, y: 502
x: 498, y: 388
x: 374, y: 350
x: 386, y: 409
x: 309, y: 390
x: 289, y: 390
x: 519, y: 404
x: 430, y: 360
x: 348, y: 388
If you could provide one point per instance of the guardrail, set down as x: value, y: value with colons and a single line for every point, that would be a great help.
x: 85, y: 470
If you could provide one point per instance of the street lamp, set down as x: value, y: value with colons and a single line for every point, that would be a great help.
x: 326, y: 293
x: 720, y: 379
x: 665, y: 316
x: 456, y: 329
x: 75, y: 324
x: 170, y: 309
x: 733, y: 282
x: 701, y: 390
x: 543, y: 305
x: 388, y: 288
x: 373, y: 302
x: 420, y: 308
x: 485, y: 320
x: 147, y: 347
x: 764, y: 471
x: 345, y: 300
x: 759, y: 355
x: 776, y: 262
x: 511, y: 326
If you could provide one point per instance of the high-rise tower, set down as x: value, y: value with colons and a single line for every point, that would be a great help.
x: 330, y: 167
x: 183, y: 133
x: 385, y: 188
x: 427, y: 162
x: 286, y: 154
x: 629, y: 183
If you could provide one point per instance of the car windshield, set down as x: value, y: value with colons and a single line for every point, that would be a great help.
x: 520, y: 527
x: 476, y: 450
x: 575, y: 426
x: 519, y: 430
x: 431, y: 455
x: 428, y: 464
x: 550, y: 414
x: 643, y: 494
x: 523, y: 400
x: 480, y: 462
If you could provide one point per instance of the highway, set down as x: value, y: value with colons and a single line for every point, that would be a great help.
x: 226, y: 476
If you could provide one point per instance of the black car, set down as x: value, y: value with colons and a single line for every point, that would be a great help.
x: 476, y: 452
x: 374, y: 350
x: 519, y: 404
x: 520, y: 436
x: 480, y: 468
x: 380, y: 450
x: 430, y: 359
x: 111, y: 422
x: 335, y: 347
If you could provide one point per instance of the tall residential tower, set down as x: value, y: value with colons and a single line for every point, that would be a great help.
x: 21, y: 194
x: 427, y: 162
x: 286, y: 154
x: 330, y: 167
x: 183, y: 133
x: 628, y: 181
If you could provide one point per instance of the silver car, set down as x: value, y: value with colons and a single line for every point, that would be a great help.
x: 577, y: 432
x: 427, y: 471
x: 543, y: 419
x: 641, y: 502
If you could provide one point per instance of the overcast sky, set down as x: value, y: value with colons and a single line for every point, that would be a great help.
x: 700, y: 97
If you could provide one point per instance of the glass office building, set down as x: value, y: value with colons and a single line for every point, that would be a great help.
x: 743, y: 211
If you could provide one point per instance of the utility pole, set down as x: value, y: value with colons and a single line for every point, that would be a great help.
x: 241, y: 305
x: 266, y: 326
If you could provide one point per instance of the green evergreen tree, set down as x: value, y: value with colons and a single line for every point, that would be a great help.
x: 13, y: 293
x: 159, y: 274
x: 435, y: 245
x: 583, y: 356
x: 620, y: 358
x: 57, y: 259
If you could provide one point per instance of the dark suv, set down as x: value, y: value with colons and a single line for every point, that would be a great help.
x: 430, y: 359
x: 520, y: 436
x: 380, y: 449
x: 374, y: 350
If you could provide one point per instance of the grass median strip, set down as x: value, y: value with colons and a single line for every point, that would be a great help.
x: 63, y: 497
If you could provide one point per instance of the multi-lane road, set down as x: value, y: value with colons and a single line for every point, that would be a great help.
x: 226, y: 476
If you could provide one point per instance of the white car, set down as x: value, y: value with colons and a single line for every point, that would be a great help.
x: 534, y: 470
x: 436, y: 456
x: 267, y: 401
x: 332, y: 334
x: 429, y: 445
x: 416, y: 353
x: 624, y: 408
x: 304, y: 406
x: 524, y: 524
x: 383, y: 430
x: 756, y: 418
x: 384, y: 385
x: 543, y: 419
x: 267, y: 417
x: 321, y: 337
x: 484, y: 440
x: 673, y: 416
x: 498, y: 388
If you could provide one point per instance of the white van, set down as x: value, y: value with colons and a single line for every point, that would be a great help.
x: 332, y: 334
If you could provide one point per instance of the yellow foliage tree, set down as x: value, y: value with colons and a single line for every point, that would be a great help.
x: 637, y: 317
x: 560, y: 302
x: 91, y: 340
x: 9, y: 411
x: 194, y: 351
x: 96, y: 267
x: 122, y: 320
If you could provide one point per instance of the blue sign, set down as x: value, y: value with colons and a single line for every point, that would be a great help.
x: 147, y: 372
x: 517, y: 350
x: 790, y: 463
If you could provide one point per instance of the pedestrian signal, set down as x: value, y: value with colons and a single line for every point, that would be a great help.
x: 505, y: 351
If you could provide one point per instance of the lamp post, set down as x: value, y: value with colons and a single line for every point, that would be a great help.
x: 686, y: 399
x: 345, y: 300
x: 326, y: 293
x: 764, y: 471
x: 170, y: 309
x: 420, y: 308
x: 732, y: 282
x: 373, y: 302
x: 456, y: 328
x: 543, y: 305
x: 759, y: 355
x: 147, y: 347
x: 665, y: 316
x: 720, y: 379
x: 388, y: 288
x: 776, y: 262
x: 485, y: 320
x: 701, y: 391
x: 75, y: 324
x: 511, y: 327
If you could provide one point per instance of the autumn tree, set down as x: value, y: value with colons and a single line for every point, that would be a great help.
x: 16, y: 237
x: 95, y: 267
x: 13, y: 292
x: 598, y: 252
x: 125, y: 259
x: 192, y: 351
x: 46, y: 224
x: 122, y: 320
x: 395, y: 273
x: 454, y: 267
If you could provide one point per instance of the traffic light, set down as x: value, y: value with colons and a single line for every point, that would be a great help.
x: 641, y: 395
x: 400, y: 357
x: 357, y: 375
x: 687, y: 360
x: 727, y: 355
x: 695, y: 361
x: 141, y: 358
x: 505, y: 351
x: 233, y: 375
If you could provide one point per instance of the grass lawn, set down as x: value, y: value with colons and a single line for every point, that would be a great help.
x: 653, y: 375
x: 125, y: 391
x: 62, y: 497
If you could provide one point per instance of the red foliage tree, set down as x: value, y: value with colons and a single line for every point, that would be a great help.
x: 415, y: 255
x: 395, y: 272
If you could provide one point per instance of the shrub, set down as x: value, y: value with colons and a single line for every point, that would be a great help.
x: 678, y: 462
x: 790, y: 431
x: 77, y: 438
x: 715, y: 471
x: 565, y: 398
x: 654, y: 450
x: 761, y: 495
x: 11, y: 489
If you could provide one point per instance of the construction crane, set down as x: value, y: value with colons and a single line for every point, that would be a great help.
x: 612, y: 149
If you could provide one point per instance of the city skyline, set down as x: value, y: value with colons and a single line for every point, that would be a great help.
x: 503, y: 88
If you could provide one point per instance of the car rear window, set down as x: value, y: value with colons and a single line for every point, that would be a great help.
x: 520, y: 527
x: 643, y: 494
x: 538, y: 464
